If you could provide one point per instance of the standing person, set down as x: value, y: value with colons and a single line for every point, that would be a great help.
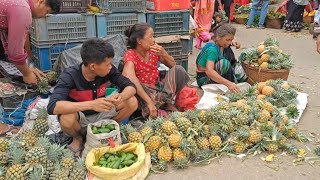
x: 203, y: 16
x: 263, y: 13
x: 15, y: 20
x: 141, y: 67
x: 227, y: 5
x: 79, y: 96
x: 294, y: 17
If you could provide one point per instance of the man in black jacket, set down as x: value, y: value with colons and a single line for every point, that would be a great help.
x: 79, y: 97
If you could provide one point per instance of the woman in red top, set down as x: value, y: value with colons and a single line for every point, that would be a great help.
x: 141, y: 67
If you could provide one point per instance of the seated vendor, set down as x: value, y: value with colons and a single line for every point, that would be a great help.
x: 141, y: 67
x: 212, y: 65
x: 79, y: 96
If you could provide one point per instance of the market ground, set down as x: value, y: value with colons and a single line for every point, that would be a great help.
x: 305, y: 75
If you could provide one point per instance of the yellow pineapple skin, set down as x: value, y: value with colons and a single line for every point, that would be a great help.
x: 269, y: 107
x: 272, y: 147
x: 265, y: 58
x: 255, y: 136
x: 215, y: 142
x: 291, y: 132
x: 238, y: 148
x: 267, y: 90
x: 4, y: 145
x: 261, y: 85
x: 261, y: 97
x: 15, y: 172
x: 174, y: 140
x: 203, y: 143
x: 264, y: 116
x: 168, y: 127
x: 154, y: 143
x: 165, y: 153
x: 261, y: 48
x: 264, y: 65
x: 135, y: 137
x: 179, y: 154
x: 145, y: 131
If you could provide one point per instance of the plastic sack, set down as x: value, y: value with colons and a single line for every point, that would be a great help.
x: 187, y: 98
x: 102, y: 139
x: 192, y: 23
x: 239, y: 73
x: 141, y: 175
x: 116, y: 174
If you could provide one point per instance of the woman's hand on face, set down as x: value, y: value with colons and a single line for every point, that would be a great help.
x: 158, y: 50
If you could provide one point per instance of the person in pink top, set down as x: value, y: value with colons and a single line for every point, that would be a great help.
x: 15, y: 20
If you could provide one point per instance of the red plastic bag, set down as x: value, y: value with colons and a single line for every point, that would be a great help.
x: 187, y: 98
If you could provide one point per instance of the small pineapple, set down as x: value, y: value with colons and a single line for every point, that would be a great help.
x: 36, y: 155
x: 215, y: 142
x: 264, y: 65
x: 52, y: 77
x: 203, y: 143
x: 254, y: 136
x: 267, y: 90
x: 147, y: 128
x: 4, y: 144
x: 285, y: 119
x: 285, y: 85
x: 261, y: 97
x: 203, y: 116
x: 282, y: 140
x: 133, y: 134
x: 174, y: 140
x: 67, y: 161
x: 264, y: 116
x: 79, y: 170
x: 59, y: 173
x: 292, y: 132
x: 272, y: 147
x: 154, y: 143
x: 4, y: 157
x: 206, y: 131
x: 265, y: 57
x: 28, y: 138
x: 179, y: 154
x: 165, y: 153
x: 238, y: 148
x: 260, y: 49
x: 168, y: 127
x: 40, y: 125
x: 183, y: 124
x: 54, y: 153
x: 261, y: 85
x: 16, y: 171
x: 43, y: 85
x: 269, y: 107
x: 281, y: 127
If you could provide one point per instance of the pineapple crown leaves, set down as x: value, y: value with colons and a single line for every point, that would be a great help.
x: 186, y: 145
x: 42, y: 113
x: 202, y: 157
x: 161, y: 166
x: 66, y: 154
x: 80, y: 164
x: 292, y: 111
x: 291, y: 149
x: 2, y: 172
x: 36, y: 174
x: 301, y: 137
x: 129, y: 128
x: 43, y: 142
x: 54, y: 152
x: 16, y: 154
x: 181, y: 163
x: 242, y: 133
x: 271, y: 42
x: 43, y: 85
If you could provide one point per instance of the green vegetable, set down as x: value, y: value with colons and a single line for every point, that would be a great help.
x: 116, y: 164
x: 103, y: 159
x: 129, y: 156
x: 107, y: 155
x: 128, y: 162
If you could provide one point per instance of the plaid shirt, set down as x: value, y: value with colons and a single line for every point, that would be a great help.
x: 72, y: 86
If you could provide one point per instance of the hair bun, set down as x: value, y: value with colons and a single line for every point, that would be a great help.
x: 127, y: 32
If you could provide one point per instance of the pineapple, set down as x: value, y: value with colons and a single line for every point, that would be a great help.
x: 281, y: 127
x: 154, y: 143
x: 261, y: 49
x: 267, y: 90
x: 147, y: 128
x: 59, y: 173
x: 269, y: 107
x: 285, y: 120
x: 54, y: 153
x: 292, y: 111
x: 67, y: 160
x: 165, y: 153
x: 2, y: 172
x: 206, y: 131
x: 291, y: 132
x: 282, y: 140
x: 179, y: 154
x: 261, y: 97
x: 261, y: 85
x: 183, y: 124
x: 43, y: 85
x: 242, y: 119
x: 238, y: 148
x: 203, y: 143
x: 203, y: 116
x: 168, y: 127
x: 174, y: 140
x: 272, y: 147
x: 16, y: 171
x: 133, y: 134
x: 285, y: 85
x: 265, y: 57
x: 255, y: 136
x: 52, y: 77
x: 40, y: 125
x: 4, y: 145
x: 3, y: 158
x: 215, y: 142
x: 79, y: 171
x: 38, y: 154
x: 264, y: 116
x: 28, y: 138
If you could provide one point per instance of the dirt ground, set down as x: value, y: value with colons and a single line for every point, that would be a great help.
x: 304, y: 75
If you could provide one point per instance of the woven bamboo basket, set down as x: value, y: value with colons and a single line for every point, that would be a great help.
x: 240, y: 20
x: 260, y: 75
x: 274, y: 23
x: 308, y: 19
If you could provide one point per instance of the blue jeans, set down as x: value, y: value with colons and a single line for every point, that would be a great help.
x: 264, y: 9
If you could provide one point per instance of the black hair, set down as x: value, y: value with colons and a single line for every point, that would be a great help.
x: 95, y: 50
x: 54, y: 5
x: 134, y: 32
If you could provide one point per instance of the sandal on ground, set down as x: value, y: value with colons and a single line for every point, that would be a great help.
x: 76, y: 151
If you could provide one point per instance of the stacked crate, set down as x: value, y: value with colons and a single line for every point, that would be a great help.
x: 117, y: 15
x: 55, y: 33
x: 171, y: 19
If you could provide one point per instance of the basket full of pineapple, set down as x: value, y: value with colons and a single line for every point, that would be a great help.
x: 267, y: 61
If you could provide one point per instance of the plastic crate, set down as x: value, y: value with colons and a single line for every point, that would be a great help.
x: 167, y: 5
x: 169, y: 22
x: 110, y: 24
x: 183, y: 62
x: 177, y: 49
x: 61, y: 28
x: 45, y: 57
x: 108, y: 6
x: 73, y: 6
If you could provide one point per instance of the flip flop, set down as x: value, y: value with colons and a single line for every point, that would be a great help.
x: 10, y: 130
x: 75, y: 151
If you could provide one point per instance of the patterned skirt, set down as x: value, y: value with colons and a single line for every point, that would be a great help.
x: 294, y: 17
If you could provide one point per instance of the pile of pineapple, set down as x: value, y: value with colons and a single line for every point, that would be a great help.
x: 32, y: 156
x: 267, y: 55
x: 47, y: 81
x: 250, y: 122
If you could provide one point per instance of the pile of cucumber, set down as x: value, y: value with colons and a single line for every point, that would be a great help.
x: 106, y: 128
x: 117, y: 160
